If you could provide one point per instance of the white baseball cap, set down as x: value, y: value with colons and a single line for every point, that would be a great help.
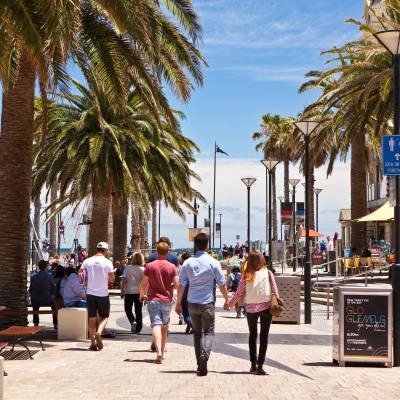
x: 102, y: 246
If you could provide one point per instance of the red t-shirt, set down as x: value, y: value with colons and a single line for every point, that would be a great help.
x: 161, y: 274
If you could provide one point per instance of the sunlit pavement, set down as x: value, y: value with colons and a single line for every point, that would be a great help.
x: 299, y: 366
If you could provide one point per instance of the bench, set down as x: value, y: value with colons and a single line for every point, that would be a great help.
x: 20, y: 334
x: 3, y: 345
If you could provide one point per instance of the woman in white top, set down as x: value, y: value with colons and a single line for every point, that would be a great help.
x: 256, y: 289
x: 130, y: 289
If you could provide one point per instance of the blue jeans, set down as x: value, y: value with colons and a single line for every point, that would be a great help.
x: 185, y: 306
x: 76, y: 304
x: 159, y: 312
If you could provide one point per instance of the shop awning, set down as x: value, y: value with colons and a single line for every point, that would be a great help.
x: 383, y: 213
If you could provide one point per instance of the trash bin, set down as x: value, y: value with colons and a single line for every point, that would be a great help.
x: 362, y: 324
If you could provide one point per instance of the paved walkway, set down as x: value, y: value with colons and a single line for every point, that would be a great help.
x: 299, y: 366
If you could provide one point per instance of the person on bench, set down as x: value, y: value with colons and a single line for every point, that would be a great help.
x: 72, y: 290
x: 42, y: 291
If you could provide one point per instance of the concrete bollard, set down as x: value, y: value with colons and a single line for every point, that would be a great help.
x: 1, y: 378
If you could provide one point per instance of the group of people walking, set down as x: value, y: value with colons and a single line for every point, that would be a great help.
x: 196, y: 281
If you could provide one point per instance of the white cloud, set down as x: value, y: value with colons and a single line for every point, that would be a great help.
x: 231, y: 198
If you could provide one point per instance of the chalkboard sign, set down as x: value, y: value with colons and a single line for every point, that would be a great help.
x: 366, y: 326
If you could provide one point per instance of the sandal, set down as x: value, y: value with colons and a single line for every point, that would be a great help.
x: 99, y: 342
x: 159, y: 360
x: 93, y: 347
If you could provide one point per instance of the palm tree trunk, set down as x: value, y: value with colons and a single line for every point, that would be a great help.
x: 154, y: 223
x: 15, y: 188
x: 36, y: 216
x: 135, y: 225
x: 53, y: 221
x: 143, y: 226
x: 274, y: 211
x: 358, y: 192
x: 98, y: 231
x: 286, y: 180
x: 120, y: 228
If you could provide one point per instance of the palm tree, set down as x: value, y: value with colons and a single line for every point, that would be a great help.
x: 38, y: 37
x: 275, y: 141
x: 97, y: 153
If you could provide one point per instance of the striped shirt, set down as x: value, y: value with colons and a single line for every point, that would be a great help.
x: 253, y: 308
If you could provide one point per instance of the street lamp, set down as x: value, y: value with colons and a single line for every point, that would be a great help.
x: 281, y: 198
x: 270, y: 166
x: 391, y: 41
x: 307, y: 128
x: 294, y: 183
x: 220, y: 231
x: 317, y: 192
x: 249, y: 181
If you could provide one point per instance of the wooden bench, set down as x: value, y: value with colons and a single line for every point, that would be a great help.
x: 3, y: 345
x: 20, y: 334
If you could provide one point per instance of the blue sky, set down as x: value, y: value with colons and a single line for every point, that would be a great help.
x: 259, y: 51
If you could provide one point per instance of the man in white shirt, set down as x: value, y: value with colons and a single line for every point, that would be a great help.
x: 99, y: 271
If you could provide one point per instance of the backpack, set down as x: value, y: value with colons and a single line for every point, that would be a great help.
x: 235, y: 281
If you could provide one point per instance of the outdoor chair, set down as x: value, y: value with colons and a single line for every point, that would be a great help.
x: 20, y: 335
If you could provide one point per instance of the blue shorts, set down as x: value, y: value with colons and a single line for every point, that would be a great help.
x: 159, y: 312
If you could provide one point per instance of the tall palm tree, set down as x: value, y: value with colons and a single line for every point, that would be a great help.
x: 275, y: 141
x: 125, y: 42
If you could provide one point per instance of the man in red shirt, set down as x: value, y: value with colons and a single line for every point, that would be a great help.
x: 159, y: 280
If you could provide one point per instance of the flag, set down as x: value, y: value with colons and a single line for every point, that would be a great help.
x: 219, y: 150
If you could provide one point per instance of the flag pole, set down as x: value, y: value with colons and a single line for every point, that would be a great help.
x: 215, y: 180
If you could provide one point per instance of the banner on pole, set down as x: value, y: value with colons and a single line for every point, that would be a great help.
x: 286, y: 213
x: 194, y: 231
x: 300, y: 213
x: 218, y: 230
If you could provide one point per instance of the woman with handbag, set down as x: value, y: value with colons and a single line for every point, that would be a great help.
x: 258, y: 289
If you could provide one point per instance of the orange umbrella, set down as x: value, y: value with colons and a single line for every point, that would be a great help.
x: 312, y: 233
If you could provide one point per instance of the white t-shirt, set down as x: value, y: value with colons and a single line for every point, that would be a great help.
x: 134, y: 275
x: 97, y: 269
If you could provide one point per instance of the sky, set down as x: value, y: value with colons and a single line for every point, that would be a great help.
x: 258, y: 52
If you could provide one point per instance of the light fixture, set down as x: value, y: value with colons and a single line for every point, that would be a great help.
x: 270, y: 164
x: 390, y: 40
x: 317, y: 191
x: 294, y: 182
x: 306, y: 127
x: 249, y: 181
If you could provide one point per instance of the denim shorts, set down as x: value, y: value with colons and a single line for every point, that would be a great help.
x: 159, y: 312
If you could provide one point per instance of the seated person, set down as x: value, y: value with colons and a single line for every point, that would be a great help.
x: 72, y: 290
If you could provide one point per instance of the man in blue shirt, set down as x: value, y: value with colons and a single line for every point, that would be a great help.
x: 201, y: 272
x: 171, y: 257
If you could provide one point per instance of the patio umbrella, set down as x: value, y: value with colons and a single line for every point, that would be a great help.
x: 312, y: 233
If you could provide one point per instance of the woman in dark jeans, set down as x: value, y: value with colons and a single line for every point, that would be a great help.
x: 130, y: 284
x: 256, y: 288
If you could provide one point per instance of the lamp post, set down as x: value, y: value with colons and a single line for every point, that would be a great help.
x: 281, y: 198
x: 249, y: 181
x: 317, y: 192
x: 294, y: 183
x: 270, y: 166
x: 391, y: 41
x: 307, y: 128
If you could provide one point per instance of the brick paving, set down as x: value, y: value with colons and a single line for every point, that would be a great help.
x: 299, y: 367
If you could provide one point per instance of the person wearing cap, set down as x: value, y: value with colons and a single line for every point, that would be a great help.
x: 98, y: 271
